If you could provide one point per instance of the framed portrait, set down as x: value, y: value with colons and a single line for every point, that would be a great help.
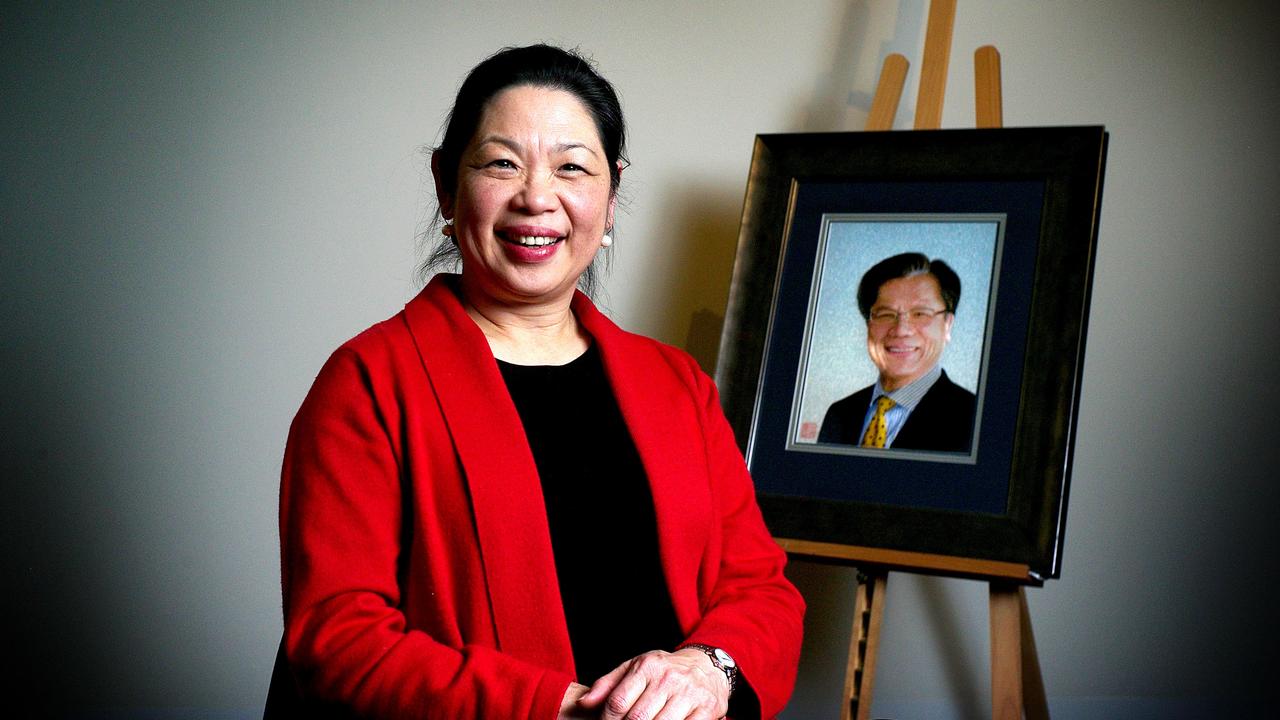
x: 904, y: 336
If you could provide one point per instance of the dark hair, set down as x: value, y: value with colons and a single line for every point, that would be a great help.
x: 540, y: 66
x: 903, y: 266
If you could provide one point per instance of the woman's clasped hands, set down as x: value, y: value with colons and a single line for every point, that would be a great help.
x: 657, y: 685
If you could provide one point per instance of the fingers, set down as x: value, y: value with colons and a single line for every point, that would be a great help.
x: 661, y: 686
x: 625, y: 701
x: 572, y: 696
x: 570, y: 709
x: 601, y: 688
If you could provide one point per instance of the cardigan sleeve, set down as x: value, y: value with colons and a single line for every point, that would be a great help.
x: 752, y: 610
x: 341, y: 513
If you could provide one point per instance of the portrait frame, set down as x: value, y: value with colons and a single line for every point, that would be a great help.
x: 1006, y: 502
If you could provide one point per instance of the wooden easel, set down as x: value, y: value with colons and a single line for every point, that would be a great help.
x: 1016, y: 684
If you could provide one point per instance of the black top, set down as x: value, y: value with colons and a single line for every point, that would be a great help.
x: 600, y: 510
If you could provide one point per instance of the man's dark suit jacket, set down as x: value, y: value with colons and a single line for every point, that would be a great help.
x: 943, y: 419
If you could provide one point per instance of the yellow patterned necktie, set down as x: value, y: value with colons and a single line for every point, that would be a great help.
x: 877, y: 429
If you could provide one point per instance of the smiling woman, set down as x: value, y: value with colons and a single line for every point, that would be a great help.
x: 532, y: 202
x: 498, y: 504
x: 528, y: 67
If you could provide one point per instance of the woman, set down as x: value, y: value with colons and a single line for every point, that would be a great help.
x: 498, y: 504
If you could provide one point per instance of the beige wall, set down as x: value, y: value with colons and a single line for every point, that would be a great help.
x: 199, y: 204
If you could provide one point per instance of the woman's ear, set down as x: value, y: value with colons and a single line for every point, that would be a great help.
x: 613, y: 200
x: 444, y: 198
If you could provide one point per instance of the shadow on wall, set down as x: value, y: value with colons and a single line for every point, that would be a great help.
x: 948, y: 630
x: 705, y: 218
x: 708, y: 214
x: 829, y: 591
x: 842, y: 96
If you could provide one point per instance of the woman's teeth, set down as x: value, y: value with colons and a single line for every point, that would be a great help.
x: 535, y: 241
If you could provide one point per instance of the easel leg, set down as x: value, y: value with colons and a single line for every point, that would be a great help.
x: 933, y: 66
x: 864, y: 643
x: 1037, y: 705
x: 1015, y: 667
x: 1006, y: 653
x: 989, y: 103
x: 884, y: 106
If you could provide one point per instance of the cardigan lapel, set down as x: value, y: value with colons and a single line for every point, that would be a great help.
x: 506, y: 495
x: 652, y: 404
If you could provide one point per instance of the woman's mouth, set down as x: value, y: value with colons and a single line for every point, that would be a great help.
x: 530, y: 244
x: 530, y: 237
x: 532, y: 240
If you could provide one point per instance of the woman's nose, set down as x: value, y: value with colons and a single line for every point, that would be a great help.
x: 538, y: 194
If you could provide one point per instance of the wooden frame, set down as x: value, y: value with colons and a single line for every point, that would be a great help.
x: 1008, y: 503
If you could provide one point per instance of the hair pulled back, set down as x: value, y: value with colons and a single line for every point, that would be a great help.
x: 540, y: 65
x: 543, y: 66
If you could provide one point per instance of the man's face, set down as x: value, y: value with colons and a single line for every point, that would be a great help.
x: 904, y: 348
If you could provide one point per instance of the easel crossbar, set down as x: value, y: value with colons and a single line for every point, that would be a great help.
x: 908, y: 561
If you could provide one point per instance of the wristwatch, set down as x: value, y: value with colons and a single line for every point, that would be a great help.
x: 722, y: 660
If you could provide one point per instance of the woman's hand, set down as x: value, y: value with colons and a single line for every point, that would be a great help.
x: 658, y: 685
x: 569, y: 707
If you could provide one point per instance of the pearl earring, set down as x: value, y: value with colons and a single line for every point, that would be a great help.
x: 606, y: 240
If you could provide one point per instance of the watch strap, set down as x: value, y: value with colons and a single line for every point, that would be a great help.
x: 730, y: 670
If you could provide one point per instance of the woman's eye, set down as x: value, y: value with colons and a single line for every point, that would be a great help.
x: 502, y: 163
x: 571, y: 167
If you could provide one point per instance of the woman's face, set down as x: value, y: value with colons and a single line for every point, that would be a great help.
x: 533, y: 197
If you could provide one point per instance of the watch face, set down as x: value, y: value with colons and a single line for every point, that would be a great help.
x: 724, y: 658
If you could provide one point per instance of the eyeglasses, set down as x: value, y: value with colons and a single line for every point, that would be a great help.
x: 916, y: 317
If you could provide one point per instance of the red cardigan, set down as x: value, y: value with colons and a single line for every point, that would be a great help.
x: 418, y: 574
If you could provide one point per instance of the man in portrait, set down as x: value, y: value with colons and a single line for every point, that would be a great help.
x: 909, y: 304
